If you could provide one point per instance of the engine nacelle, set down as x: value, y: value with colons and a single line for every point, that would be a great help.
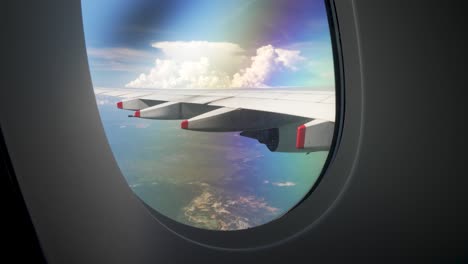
x: 313, y: 136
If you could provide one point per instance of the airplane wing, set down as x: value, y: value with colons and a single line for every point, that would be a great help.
x: 284, y: 119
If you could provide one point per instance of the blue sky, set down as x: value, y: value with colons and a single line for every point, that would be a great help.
x: 121, y: 37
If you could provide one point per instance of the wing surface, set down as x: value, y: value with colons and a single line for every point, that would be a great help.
x: 305, y: 103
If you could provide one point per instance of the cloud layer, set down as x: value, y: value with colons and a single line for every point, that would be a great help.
x: 202, y: 64
x: 117, y: 59
x: 284, y: 184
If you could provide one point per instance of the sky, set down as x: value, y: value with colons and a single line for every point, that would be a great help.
x: 208, y: 44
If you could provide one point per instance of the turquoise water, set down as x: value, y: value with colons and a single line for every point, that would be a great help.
x: 219, y: 181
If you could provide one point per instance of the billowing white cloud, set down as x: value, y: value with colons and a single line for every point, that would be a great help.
x: 185, y: 74
x: 267, y: 61
x: 224, y: 56
x: 202, y: 64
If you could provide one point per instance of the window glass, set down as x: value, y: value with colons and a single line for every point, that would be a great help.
x: 244, y: 99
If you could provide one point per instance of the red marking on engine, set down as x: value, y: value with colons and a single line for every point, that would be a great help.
x: 300, y: 137
x: 137, y: 114
x: 120, y: 105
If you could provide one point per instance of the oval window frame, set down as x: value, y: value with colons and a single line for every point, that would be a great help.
x: 333, y: 179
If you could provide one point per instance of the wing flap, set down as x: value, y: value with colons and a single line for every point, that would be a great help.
x: 295, y: 108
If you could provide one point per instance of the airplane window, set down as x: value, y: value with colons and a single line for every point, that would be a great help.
x: 220, y: 114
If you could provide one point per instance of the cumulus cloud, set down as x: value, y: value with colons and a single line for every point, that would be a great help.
x: 267, y: 61
x: 220, y: 55
x: 185, y: 74
x: 202, y: 64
